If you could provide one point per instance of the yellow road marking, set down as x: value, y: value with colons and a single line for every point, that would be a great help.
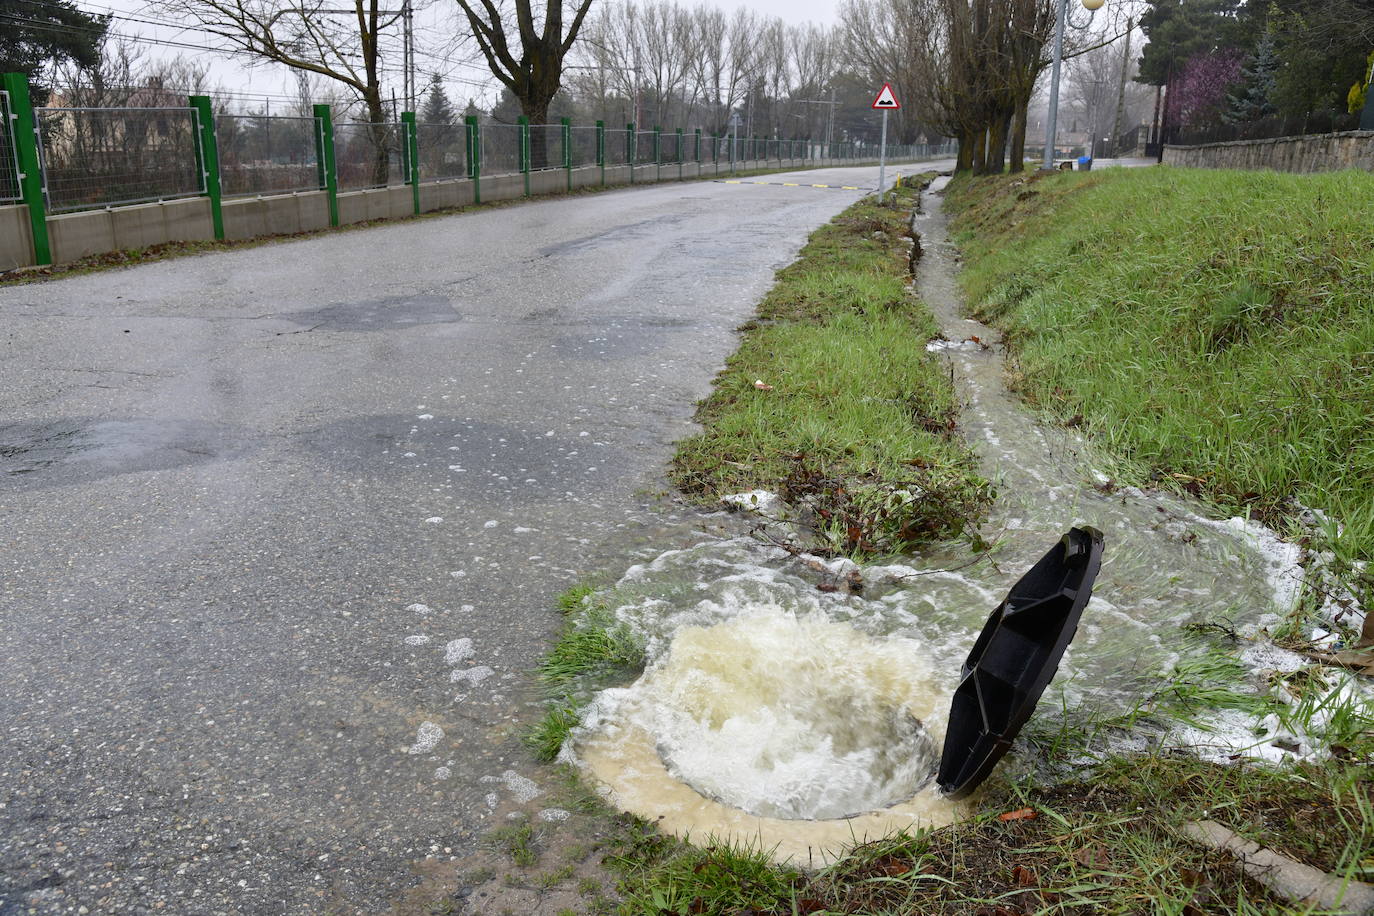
x: 734, y: 182
x: 820, y: 186
x: 849, y: 187
x: 790, y: 184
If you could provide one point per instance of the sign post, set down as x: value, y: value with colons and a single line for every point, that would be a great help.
x: 886, y: 101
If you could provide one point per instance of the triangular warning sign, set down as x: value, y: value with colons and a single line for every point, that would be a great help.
x: 886, y: 99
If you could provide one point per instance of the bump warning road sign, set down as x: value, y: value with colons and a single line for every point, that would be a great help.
x: 886, y: 98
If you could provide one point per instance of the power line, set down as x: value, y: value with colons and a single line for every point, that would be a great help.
x: 241, y: 52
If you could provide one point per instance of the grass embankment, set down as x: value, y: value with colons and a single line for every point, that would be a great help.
x: 833, y: 402
x: 1215, y: 328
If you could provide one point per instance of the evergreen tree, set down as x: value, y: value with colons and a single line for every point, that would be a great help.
x: 35, y: 34
x: 437, y: 108
x: 1253, y: 98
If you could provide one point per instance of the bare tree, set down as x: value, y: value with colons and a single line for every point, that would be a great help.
x: 532, y: 69
x: 315, y: 36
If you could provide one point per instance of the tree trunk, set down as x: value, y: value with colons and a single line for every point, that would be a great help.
x: 540, y: 154
x: 381, y: 135
x: 535, y: 96
x: 994, y: 160
x: 1018, y: 137
x: 964, y: 162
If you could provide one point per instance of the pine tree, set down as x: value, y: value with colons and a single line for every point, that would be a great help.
x: 437, y: 108
x: 1253, y: 98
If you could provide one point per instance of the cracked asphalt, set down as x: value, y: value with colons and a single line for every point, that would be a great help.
x: 281, y: 529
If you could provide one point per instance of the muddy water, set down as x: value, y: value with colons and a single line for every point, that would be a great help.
x: 803, y: 721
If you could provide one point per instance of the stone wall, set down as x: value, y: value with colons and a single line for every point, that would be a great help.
x: 1351, y: 149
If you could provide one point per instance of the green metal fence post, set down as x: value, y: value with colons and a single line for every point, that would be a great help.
x: 412, y: 151
x: 207, y: 160
x: 24, y: 132
x: 631, y: 147
x: 680, y: 156
x: 324, y: 160
x: 566, y: 124
x: 474, y: 140
x: 658, y: 152
x: 696, y: 149
x: 601, y: 150
x: 523, y: 153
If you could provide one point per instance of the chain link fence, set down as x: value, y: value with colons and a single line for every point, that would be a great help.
x: 644, y: 146
x: 1313, y: 122
x: 443, y: 150
x: 368, y: 155
x: 669, y: 150
x: 500, y: 148
x: 584, y: 147
x: 616, y: 141
x: 9, y: 155
x: 546, y: 146
x: 267, y: 154
x: 97, y: 157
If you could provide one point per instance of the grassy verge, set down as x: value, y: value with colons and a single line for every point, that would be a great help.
x: 1215, y: 328
x: 832, y: 401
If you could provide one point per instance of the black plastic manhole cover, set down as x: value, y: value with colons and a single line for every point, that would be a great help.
x: 1015, y: 658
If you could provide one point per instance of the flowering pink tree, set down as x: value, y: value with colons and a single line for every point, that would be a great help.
x: 1197, y: 96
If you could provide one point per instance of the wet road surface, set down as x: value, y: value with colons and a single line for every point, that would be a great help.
x: 281, y: 529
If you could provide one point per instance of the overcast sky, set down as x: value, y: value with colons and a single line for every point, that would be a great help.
x: 261, y: 85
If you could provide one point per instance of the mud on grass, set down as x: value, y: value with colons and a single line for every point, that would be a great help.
x: 832, y: 400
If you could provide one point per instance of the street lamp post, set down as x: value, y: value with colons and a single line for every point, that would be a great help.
x: 1050, y: 127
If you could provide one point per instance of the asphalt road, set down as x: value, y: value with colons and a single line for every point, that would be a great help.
x: 281, y: 529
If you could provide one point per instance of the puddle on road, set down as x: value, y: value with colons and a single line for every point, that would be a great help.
x: 773, y: 713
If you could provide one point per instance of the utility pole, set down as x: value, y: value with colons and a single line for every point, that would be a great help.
x: 830, y: 124
x: 408, y: 28
x: 1121, y: 90
x: 1052, y: 119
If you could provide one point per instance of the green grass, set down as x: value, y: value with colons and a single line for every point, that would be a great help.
x: 516, y: 841
x: 858, y: 428
x: 592, y: 651
x: 1214, y: 328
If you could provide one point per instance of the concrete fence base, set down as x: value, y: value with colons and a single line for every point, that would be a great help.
x: 92, y: 232
x: 1350, y: 149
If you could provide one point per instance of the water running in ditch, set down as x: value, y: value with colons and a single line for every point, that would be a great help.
x: 803, y: 721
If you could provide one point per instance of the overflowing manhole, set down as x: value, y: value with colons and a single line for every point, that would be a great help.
x: 801, y: 734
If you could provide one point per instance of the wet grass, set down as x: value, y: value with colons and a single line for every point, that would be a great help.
x: 593, y: 651
x: 1213, y: 328
x: 1109, y: 841
x: 832, y: 401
